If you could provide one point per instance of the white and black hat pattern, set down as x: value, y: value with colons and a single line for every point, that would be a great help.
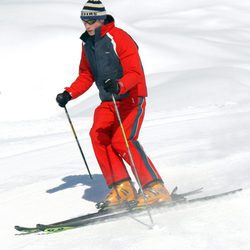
x: 93, y: 9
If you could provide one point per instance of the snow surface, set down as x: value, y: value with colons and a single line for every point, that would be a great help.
x: 196, y: 55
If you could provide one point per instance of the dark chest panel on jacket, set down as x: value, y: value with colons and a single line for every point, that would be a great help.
x: 104, y: 63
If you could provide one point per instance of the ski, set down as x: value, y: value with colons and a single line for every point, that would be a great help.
x: 27, y: 230
x: 176, y: 197
x: 109, y: 215
x: 30, y: 230
x: 210, y: 197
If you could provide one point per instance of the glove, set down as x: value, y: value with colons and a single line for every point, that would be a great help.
x: 112, y: 86
x: 63, y: 98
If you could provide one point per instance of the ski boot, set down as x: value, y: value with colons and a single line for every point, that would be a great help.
x: 120, y: 195
x: 154, y: 193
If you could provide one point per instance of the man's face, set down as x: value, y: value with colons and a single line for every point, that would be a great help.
x: 90, y: 27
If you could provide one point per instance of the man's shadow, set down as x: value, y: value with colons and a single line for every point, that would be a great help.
x: 96, y: 191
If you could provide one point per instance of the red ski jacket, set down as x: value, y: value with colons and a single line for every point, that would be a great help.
x: 113, y: 54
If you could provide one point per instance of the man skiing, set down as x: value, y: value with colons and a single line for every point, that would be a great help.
x: 110, y: 58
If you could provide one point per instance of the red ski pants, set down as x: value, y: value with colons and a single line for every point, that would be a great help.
x: 109, y: 145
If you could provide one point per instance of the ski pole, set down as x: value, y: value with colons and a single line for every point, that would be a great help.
x: 132, y: 160
x: 79, y: 146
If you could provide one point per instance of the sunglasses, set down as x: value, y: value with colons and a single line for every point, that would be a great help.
x: 90, y: 22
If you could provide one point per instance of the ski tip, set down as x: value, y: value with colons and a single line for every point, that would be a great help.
x: 238, y: 190
x: 18, y: 228
x: 26, y: 230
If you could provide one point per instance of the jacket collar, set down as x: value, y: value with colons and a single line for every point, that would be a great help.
x: 101, y: 31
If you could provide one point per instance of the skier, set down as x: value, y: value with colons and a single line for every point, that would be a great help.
x: 110, y: 58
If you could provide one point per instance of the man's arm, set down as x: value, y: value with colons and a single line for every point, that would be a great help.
x: 127, y: 51
x: 85, y: 79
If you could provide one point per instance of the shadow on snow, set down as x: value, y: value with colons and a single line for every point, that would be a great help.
x: 96, y: 191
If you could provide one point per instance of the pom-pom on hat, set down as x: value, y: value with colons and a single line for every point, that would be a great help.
x: 93, y: 10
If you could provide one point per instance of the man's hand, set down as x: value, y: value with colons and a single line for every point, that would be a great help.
x: 63, y: 98
x: 112, y: 86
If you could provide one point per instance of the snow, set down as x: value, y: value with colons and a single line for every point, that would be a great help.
x: 196, y: 130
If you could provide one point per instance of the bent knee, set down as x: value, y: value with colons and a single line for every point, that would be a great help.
x: 98, y: 135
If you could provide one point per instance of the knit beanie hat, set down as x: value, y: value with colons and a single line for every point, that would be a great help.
x: 93, y: 10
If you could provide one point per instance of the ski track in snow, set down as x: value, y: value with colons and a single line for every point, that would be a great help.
x: 196, y: 130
